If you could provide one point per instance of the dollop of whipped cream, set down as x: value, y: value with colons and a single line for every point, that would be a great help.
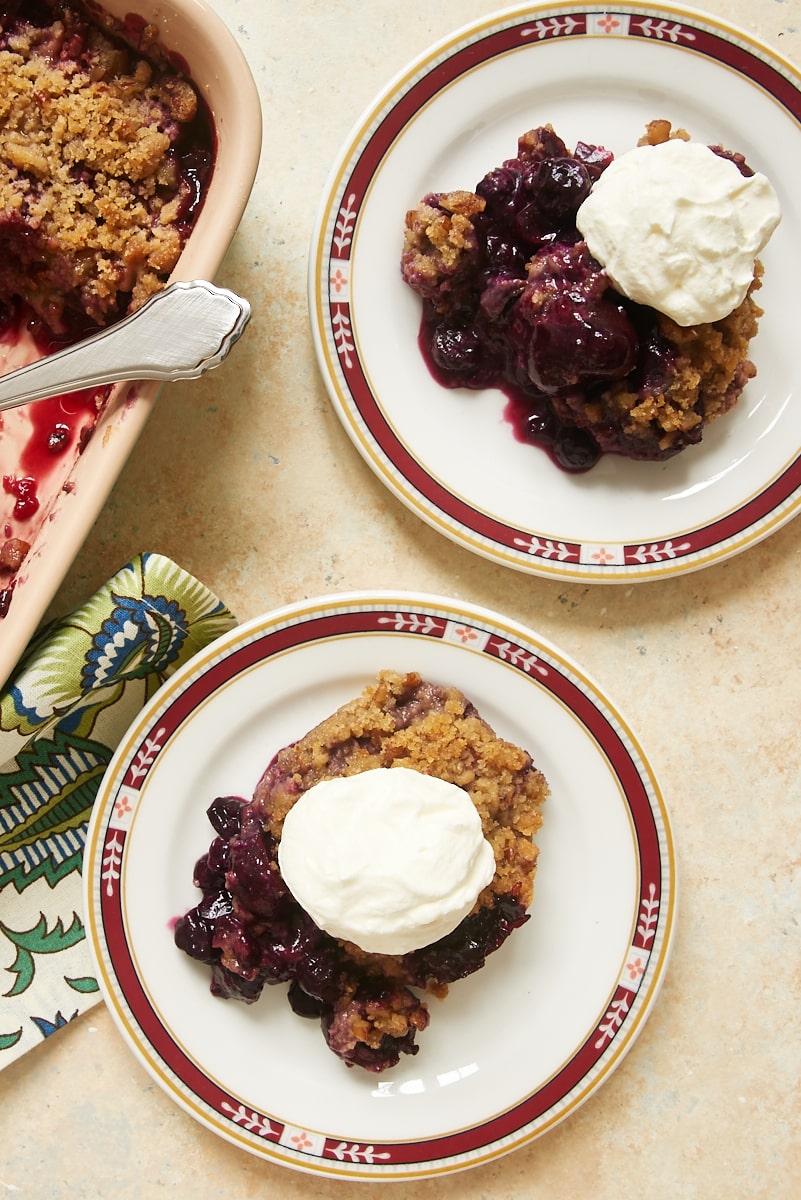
x: 389, y: 859
x: 678, y: 227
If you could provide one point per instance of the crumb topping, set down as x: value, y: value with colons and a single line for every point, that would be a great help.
x: 439, y: 239
x: 712, y: 368
x: 91, y: 191
x: 403, y: 721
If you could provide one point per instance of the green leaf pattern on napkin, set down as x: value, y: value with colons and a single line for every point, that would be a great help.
x: 78, y: 687
x: 45, y: 802
x: 39, y: 940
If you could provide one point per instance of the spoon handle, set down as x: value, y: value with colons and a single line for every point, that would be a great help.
x: 180, y: 333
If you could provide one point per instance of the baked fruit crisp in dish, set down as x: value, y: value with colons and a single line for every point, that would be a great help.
x: 514, y: 299
x: 252, y: 931
x: 105, y: 154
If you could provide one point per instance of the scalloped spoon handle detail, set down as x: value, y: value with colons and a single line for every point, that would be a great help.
x: 180, y: 333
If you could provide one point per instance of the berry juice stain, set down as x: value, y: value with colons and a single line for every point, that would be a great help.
x: 58, y: 424
x: 26, y: 501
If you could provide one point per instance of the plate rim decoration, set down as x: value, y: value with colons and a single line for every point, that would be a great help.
x: 736, y: 519
x: 486, y: 645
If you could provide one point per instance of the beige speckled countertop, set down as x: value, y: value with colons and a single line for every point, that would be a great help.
x: 247, y: 479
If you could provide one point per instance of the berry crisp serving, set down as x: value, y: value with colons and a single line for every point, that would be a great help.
x: 251, y: 931
x: 513, y: 299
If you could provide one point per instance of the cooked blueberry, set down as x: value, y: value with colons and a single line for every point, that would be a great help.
x: 500, y: 189
x: 238, y: 944
x: 595, y: 158
x: 572, y: 342
x: 225, y: 815
x: 504, y: 255
x: 230, y: 986
x: 463, y: 952
x: 561, y: 185
x: 205, y: 877
x: 217, y: 856
x: 542, y: 424
x: 575, y: 449
x: 253, y: 876
x: 533, y: 227
x: 456, y: 350
x: 302, y: 1003
x: 193, y: 934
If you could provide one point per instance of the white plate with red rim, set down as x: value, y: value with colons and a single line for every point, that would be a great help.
x: 451, y: 456
x: 514, y: 1049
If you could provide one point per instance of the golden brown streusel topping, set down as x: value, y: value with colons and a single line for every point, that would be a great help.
x: 401, y: 720
x: 438, y: 241
x: 661, y: 130
x: 87, y: 170
x: 394, y: 1015
x: 711, y: 369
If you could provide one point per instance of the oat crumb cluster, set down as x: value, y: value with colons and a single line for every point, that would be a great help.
x: 92, y: 195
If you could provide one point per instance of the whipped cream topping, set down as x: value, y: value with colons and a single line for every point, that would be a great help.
x: 389, y: 859
x: 678, y: 227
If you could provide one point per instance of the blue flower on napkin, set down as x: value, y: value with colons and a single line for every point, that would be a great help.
x: 143, y: 634
x: 46, y: 1027
x: 147, y: 620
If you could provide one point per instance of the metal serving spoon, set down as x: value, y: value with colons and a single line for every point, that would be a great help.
x: 179, y: 333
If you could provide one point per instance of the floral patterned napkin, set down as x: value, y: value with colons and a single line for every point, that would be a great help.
x: 78, y: 687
